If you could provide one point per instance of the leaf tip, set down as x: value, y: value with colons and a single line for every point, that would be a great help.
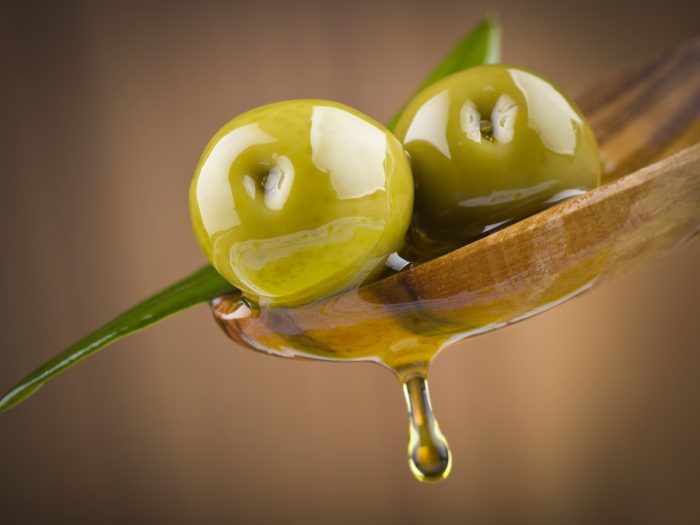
x: 16, y: 395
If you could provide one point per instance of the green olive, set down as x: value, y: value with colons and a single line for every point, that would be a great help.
x: 300, y: 199
x: 491, y: 145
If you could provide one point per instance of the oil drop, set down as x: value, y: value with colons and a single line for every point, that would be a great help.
x: 429, y: 454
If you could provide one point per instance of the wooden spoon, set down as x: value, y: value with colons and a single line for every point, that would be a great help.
x: 645, y: 114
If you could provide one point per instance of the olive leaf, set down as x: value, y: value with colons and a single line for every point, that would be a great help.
x: 481, y: 45
x: 198, y: 287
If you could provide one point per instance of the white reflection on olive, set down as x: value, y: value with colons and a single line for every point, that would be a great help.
x: 350, y: 150
x: 550, y: 114
x: 278, y: 182
x: 430, y: 123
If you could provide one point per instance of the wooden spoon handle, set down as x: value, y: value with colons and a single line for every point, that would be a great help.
x: 648, y: 112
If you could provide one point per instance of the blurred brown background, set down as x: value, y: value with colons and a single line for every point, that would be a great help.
x: 588, y: 414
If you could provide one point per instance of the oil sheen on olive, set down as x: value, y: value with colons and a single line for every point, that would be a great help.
x: 297, y: 200
x: 491, y: 145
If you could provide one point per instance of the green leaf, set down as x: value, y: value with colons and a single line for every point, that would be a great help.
x: 203, y: 285
x: 482, y: 45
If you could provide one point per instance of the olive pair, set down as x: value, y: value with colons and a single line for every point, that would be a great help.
x: 297, y: 200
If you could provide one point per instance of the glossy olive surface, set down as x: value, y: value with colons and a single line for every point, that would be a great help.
x: 297, y: 200
x: 491, y: 145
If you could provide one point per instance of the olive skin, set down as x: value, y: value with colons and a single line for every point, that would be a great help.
x: 300, y: 199
x: 489, y: 146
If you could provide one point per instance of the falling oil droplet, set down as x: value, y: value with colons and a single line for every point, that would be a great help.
x: 428, y: 452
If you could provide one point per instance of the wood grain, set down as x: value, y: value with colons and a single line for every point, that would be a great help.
x: 643, y: 115
x: 648, y: 112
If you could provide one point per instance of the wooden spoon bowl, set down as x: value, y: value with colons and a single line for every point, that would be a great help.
x: 647, y: 122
